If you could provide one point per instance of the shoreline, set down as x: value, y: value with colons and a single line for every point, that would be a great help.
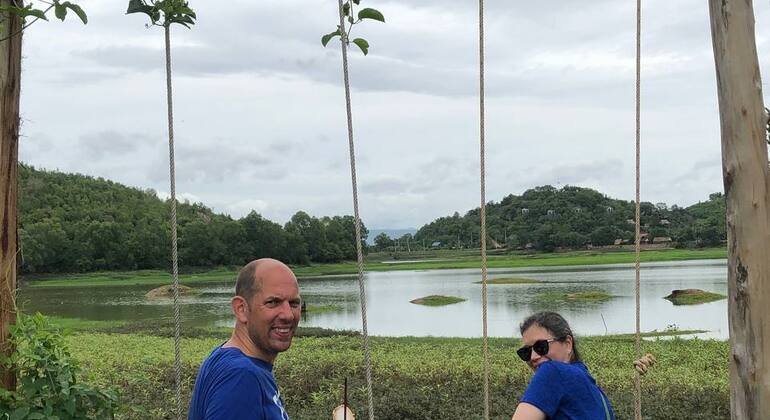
x: 512, y: 261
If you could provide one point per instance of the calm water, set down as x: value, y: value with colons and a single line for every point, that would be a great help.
x: 390, y: 313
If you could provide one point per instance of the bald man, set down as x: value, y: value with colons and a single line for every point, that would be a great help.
x: 236, y: 379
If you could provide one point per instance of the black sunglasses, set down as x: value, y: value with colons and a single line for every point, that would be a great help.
x: 540, y: 347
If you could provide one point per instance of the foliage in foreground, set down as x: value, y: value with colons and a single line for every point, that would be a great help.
x: 416, y: 378
x: 49, y: 385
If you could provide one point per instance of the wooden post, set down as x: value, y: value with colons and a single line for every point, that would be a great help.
x: 10, y: 74
x: 747, y: 195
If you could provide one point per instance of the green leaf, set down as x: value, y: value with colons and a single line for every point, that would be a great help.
x: 356, y: 1
x: 36, y: 13
x: 138, y: 6
x: 328, y: 37
x: 345, y: 9
x: 59, y: 10
x: 370, y: 13
x: 362, y: 44
x: 19, y: 413
x: 77, y: 10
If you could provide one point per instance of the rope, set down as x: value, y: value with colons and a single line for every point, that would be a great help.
x: 483, y: 211
x: 359, y: 251
x: 174, y: 253
x: 637, y: 246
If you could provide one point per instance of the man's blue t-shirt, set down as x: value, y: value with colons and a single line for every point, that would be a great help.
x: 231, y: 385
x: 567, y: 391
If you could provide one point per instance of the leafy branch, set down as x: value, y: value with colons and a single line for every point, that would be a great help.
x: 164, y: 12
x: 344, y: 31
x: 31, y: 10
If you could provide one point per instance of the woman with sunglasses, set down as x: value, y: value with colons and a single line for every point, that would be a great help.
x: 561, y: 387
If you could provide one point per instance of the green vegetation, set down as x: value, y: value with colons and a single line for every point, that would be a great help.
x: 319, y: 309
x: 75, y: 223
x: 693, y: 297
x: 437, y: 300
x: 49, y: 379
x: 510, y: 280
x: 415, y: 378
x: 587, y: 296
x: 547, y: 218
x: 72, y: 223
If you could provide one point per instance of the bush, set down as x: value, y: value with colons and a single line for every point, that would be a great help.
x: 47, y: 375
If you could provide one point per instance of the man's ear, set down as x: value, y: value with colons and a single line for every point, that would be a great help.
x: 240, y: 308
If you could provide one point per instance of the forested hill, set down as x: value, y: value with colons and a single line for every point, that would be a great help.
x: 546, y: 218
x: 76, y: 223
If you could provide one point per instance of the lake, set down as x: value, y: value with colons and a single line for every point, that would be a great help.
x: 391, y: 314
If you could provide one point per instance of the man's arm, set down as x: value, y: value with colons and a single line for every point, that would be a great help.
x: 526, y: 411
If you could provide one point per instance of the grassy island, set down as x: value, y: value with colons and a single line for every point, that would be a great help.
x: 693, y: 297
x: 437, y: 300
x: 587, y: 296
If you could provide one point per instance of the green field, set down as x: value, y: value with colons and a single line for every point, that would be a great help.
x: 414, y: 378
x: 434, y: 261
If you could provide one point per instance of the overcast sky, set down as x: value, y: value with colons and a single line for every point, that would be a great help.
x: 260, y: 112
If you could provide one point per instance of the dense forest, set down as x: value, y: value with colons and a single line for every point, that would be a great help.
x: 76, y: 223
x: 546, y: 218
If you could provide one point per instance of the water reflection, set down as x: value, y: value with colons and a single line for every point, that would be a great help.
x: 390, y: 313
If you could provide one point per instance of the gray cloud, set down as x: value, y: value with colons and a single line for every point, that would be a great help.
x: 110, y: 144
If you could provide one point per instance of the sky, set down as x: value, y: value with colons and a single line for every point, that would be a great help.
x: 259, y: 106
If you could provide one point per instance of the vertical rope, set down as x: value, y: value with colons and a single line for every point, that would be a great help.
x: 359, y: 251
x: 483, y: 212
x: 174, y: 253
x: 637, y: 245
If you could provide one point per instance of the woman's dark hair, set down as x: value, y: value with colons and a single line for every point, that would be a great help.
x: 556, y: 325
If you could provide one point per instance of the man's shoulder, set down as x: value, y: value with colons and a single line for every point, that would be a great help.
x: 229, y: 362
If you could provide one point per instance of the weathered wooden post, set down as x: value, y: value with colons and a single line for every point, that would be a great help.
x: 747, y: 195
x: 10, y: 73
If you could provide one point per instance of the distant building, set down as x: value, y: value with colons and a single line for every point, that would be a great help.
x: 662, y: 240
x: 436, y: 244
x: 664, y: 222
x: 551, y: 212
x: 524, y: 211
x: 630, y: 221
x: 609, y: 209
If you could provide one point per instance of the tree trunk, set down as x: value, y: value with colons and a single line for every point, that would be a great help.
x: 10, y: 73
x: 747, y: 195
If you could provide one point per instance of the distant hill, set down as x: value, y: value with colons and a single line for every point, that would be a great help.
x: 77, y: 223
x: 546, y: 218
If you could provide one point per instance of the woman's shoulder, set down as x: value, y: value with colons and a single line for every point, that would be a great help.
x: 552, y: 367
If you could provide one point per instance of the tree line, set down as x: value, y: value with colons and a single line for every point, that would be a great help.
x: 547, y: 218
x: 77, y: 223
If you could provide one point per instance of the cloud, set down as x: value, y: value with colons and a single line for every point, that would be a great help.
x: 109, y: 144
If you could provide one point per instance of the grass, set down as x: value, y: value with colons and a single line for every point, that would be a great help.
x: 455, y: 260
x: 695, y: 298
x: 437, y: 300
x: 414, y: 378
x: 320, y: 309
x: 588, y: 296
x: 510, y: 280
